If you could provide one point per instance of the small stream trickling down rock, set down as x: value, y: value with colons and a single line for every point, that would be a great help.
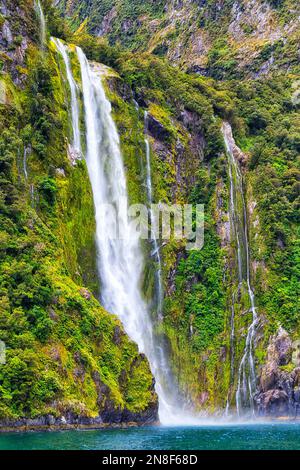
x: 76, y: 138
x: 246, y: 387
x: 41, y: 16
x: 156, y: 248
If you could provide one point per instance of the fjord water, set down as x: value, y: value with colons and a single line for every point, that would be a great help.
x: 254, y: 436
x: 239, y: 233
x: 120, y: 259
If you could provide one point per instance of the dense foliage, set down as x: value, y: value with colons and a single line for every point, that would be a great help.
x: 271, y: 117
x: 64, y: 352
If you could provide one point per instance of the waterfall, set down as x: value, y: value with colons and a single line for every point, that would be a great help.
x: 76, y: 141
x: 25, y: 153
x: 239, y: 230
x: 120, y: 260
x: 156, y: 248
x: 40, y: 13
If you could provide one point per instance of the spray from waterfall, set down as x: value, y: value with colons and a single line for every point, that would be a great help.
x: 156, y: 248
x: 40, y: 13
x: 239, y: 229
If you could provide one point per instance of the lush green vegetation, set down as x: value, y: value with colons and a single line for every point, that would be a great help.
x: 64, y: 353
x: 197, y: 307
x: 231, y: 38
x: 130, y: 28
x: 271, y: 118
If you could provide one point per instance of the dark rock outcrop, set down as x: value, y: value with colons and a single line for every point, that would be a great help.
x: 70, y: 420
x: 16, y: 32
x: 279, y: 388
x: 156, y: 129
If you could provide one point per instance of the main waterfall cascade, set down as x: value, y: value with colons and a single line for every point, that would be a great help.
x: 239, y: 231
x: 119, y: 259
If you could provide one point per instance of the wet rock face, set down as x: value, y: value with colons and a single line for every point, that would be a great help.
x: 69, y: 420
x: 156, y: 129
x: 16, y: 31
x: 274, y: 402
x: 106, y: 24
x: 279, y: 389
x: 283, y: 347
x: 115, y: 416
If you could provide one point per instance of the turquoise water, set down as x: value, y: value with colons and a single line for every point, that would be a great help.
x: 247, y: 436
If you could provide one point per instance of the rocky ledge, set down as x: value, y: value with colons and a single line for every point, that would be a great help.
x: 70, y: 420
x: 279, y: 382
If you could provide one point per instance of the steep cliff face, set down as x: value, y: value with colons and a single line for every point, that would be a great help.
x: 189, y: 164
x: 17, y: 30
x: 219, y: 38
x: 279, y: 391
x: 66, y: 360
x: 186, y: 158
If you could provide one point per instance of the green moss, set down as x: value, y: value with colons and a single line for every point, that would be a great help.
x: 77, y: 226
x: 288, y: 367
x: 61, y: 344
x: 63, y: 349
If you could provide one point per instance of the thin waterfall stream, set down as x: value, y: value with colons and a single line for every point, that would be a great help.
x: 26, y: 151
x: 76, y: 138
x: 40, y: 13
x: 156, y: 248
x: 239, y: 231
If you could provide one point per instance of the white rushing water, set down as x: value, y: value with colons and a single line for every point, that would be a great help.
x: 25, y: 154
x: 40, y: 13
x: 120, y: 260
x: 239, y: 227
x: 64, y: 51
x: 156, y: 248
